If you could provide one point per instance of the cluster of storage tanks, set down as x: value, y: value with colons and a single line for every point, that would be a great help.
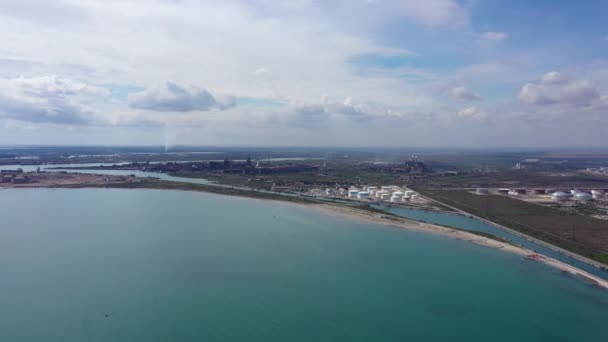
x: 389, y: 193
x: 577, y: 195
x: 558, y: 196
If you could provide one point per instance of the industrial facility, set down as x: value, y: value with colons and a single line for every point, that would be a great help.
x: 551, y: 196
x: 384, y: 193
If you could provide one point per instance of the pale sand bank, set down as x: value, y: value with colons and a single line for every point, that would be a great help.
x: 405, y: 223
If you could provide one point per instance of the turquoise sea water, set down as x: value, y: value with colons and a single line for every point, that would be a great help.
x: 153, y: 265
x: 476, y: 225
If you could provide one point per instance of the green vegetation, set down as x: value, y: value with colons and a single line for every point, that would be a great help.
x: 169, y: 185
x: 515, y: 178
x: 336, y: 174
x: 584, y: 235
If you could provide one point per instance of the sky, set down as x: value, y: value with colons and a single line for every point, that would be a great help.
x: 409, y: 73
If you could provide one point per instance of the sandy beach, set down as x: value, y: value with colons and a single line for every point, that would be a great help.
x: 403, y: 223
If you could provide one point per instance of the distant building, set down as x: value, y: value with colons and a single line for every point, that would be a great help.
x: 19, y: 180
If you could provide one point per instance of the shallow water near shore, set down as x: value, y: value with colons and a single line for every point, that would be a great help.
x: 473, y: 224
x: 155, y: 265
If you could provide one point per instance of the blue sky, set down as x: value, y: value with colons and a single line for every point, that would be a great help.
x: 437, y: 73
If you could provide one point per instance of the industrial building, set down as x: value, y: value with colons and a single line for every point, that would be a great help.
x: 384, y: 193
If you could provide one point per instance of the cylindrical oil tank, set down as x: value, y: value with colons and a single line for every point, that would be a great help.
x: 363, y: 195
x: 583, y: 196
x: 598, y: 193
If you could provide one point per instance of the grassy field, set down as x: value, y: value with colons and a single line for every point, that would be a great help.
x: 584, y: 235
x: 342, y: 176
x: 169, y: 185
x: 513, y: 178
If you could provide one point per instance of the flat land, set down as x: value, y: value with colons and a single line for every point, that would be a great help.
x: 581, y: 234
x: 64, y: 179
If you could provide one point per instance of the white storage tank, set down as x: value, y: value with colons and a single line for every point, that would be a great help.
x: 398, y: 194
x: 385, y: 197
x: 409, y: 193
x: 352, y: 193
x: 598, y: 193
x: 583, y: 196
x: 363, y: 195
x: 414, y: 197
x: 395, y: 199
x: 372, y: 188
x: 560, y: 196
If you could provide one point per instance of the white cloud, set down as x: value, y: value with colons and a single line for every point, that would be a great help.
x: 463, y: 94
x: 495, y: 36
x: 49, y: 99
x: 472, y: 113
x: 554, y: 88
x: 433, y: 12
x: 171, y: 97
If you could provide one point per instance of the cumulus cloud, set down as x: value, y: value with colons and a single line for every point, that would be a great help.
x: 555, y: 88
x: 49, y: 99
x: 463, y: 94
x: 347, y: 107
x: 311, y: 113
x: 171, y: 97
x: 472, y: 113
x: 495, y: 36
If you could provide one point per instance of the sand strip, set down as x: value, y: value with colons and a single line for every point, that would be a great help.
x: 404, y: 223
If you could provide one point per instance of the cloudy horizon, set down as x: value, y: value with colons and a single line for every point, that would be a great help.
x: 455, y: 73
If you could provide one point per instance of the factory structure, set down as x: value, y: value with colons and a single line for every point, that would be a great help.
x: 384, y: 193
x: 13, y: 177
x: 549, y: 194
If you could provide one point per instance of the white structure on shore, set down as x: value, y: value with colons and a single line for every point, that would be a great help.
x: 362, y: 195
x: 385, y: 193
x: 597, y: 194
x: 397, y: 196
x: 583, y: 197
x: 560, y: 196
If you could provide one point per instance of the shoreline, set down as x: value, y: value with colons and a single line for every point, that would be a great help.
x: 404, y: 223
x: 555, y: 248
x: 362, y: 215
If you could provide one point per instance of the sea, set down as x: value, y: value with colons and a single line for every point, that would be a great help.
x: 158, y: 265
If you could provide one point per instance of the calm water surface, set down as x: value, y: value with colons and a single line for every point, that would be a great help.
x: 476, y: 225
x: 152, y: 265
